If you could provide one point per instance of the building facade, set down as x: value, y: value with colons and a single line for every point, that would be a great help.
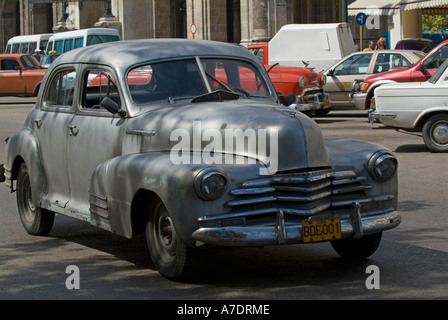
x: 236, y: 21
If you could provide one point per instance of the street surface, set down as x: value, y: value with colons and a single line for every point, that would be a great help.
x: 411, y: 262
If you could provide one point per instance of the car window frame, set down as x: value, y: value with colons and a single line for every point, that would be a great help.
x: 99, y: 112
x: 59, y: 108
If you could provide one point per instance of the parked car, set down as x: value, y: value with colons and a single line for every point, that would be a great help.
x: 192, y: 160
x: 359, y: 66
x: 47, y: 59
x: 20, y: 75
x: 420, y: 44
x: 304, y: 82
x: 416, y: 107
x: 363, y: 91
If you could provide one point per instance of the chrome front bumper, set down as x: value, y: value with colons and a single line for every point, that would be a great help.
x: 313, y: 103
x: 354, y: 227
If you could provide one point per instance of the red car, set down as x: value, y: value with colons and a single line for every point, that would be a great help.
x: 304, y: 82
x: 362, y: 92
x: 20, y: 75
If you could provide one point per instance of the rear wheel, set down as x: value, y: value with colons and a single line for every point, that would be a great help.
x: 357, y: 248
x: 171, y: 256
x: 435, y: 133
x: 35, y: 220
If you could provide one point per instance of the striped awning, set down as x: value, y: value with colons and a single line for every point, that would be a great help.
x: 390, y: 7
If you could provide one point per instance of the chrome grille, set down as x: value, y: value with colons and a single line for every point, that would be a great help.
x: 297, y: 195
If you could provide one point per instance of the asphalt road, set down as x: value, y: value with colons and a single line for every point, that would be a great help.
x: 411, y: 263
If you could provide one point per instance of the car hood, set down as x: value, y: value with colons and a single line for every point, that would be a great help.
x: 388, y: 75
x: 272, y: 133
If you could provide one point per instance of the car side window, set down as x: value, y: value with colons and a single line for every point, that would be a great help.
x: 8, y: 65
x: 97, y: 85
x: 356, y: 64
x: 437, y: 58
x: 386, y: 61
x: 61, y: 89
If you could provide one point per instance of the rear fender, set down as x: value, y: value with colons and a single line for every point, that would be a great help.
x: 23, y: 147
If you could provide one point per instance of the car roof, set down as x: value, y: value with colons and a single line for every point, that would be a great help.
x: 13, y: 55
x: 123, y: 54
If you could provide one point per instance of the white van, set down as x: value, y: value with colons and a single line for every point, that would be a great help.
x: 321, y: 45
x: 28, y: 44
x: 65, y: 41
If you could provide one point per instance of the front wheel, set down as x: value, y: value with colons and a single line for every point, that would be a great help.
x: 35, y: 220
x: 357, y: 248
x: 171, y: 256
x: 435, y: 133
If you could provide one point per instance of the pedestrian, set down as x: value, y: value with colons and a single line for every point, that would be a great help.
x: 356, y: 45
x: 381, y: 45
x: 371, y: 46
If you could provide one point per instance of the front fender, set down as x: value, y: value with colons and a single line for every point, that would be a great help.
x: 355, y: 155
x: 425, y: 114
x: 377, y: 84
x: 23, y: 147
x: 115, y: 183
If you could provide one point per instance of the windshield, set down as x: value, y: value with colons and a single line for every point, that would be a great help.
x: 29, y: 62
x: 187, y: 79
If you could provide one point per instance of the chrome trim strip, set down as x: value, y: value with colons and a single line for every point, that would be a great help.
x: 139, y: 132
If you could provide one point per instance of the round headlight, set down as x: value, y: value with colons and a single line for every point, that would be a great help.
x: 382, y: 166
x: 323, y: 79
x: 302, y: 82
x: 210, y: 184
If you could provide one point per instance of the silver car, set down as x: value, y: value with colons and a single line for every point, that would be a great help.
x: 361, y: 65
x: 185, y: 141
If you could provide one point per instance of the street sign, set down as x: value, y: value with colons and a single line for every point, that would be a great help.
x: 361, y: 18
x: 193, y: 28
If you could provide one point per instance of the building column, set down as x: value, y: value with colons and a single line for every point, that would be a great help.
x: 210, y: 18
x: 108, y: 20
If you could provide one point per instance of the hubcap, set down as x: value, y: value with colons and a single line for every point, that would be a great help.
x: 440, y: 133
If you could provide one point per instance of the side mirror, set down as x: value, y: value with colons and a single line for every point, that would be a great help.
x: 111, y: 106
x: 420, y: 67
x: 330, y: 72
x: 18, y: 68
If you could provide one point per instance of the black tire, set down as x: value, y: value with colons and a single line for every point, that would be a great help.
x: 357, y: 248
x: 322, y: 112
x: 435, y: 133
x: 170, y: 255
x: 35, y: 220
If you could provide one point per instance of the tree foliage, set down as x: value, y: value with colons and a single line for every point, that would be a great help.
x: 433, y: 23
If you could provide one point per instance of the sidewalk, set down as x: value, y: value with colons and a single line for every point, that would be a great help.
x: 17, y: 100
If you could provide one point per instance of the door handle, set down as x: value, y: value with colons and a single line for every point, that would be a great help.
x: 73, y: 130
x: 38, y: 122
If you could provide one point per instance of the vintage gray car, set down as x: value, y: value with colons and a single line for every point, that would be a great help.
x: 186, y: 141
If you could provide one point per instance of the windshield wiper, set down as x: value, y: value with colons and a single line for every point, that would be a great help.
x: 225, y: 86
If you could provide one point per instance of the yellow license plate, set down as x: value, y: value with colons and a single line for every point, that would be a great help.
x: 326, y: 104
x: 321, y: 230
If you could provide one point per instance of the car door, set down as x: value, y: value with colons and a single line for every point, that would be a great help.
x: 51, y: 127
x: 95, y: 134
x: 11, y: 78
x: 341, y: 77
